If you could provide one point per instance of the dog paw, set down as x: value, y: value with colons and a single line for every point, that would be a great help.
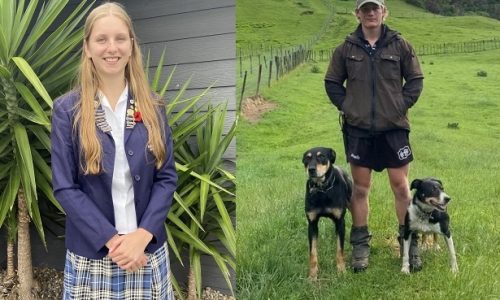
x: 405, y: 270
x: 313, y: 274
x: 313, y: 278
x: 454, y: 269
x: 341, y: 268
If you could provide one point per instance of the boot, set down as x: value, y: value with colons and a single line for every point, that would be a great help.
x: 415, y: 261
x: 360, y: 238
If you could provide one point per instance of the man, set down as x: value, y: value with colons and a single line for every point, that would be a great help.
x: 383, y: 80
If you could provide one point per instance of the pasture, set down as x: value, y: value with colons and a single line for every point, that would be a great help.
x: 455, y: 136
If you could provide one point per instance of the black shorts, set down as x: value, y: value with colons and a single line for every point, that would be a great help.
x: 377, y: 151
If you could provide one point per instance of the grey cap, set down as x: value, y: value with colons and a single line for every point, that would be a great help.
x: 360, y: 3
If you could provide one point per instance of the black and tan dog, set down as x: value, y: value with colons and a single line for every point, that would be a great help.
x: 427, y: 213
x: 328, y: 194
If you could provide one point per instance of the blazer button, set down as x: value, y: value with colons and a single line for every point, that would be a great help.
x: 130, y: 152
x: 137, y: 178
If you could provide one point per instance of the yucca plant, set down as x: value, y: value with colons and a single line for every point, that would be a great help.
x: 213, y: 207
x: 199, y: 220
x: 35, y: 62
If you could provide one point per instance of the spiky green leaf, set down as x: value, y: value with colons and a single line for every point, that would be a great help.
x: 182, y: 168
x: 173, y: 245
x: 9, y: 194
x: 41, y: 135
x: 21, y: 23
x: 46, y: 17
x: 32, y: 117
x: 4, y: 72
x: 37, y: 220
x: 30, y: 75
x: 30, y: 99
x: 226, y: 223
x: 187, y: 234
x: 159, y: 70
x: 46, y: 188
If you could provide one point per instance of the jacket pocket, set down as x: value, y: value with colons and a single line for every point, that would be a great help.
x: 390, y: 66
x: 354, y: 66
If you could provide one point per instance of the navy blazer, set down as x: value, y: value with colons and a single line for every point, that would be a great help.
x: 87, y: 199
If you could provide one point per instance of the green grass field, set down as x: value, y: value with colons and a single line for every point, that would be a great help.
x: 267, y: 21
x: 272, y: 229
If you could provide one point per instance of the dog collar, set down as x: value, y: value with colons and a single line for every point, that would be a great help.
x: 320, y: 188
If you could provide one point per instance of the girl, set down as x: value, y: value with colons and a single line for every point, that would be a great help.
x: 113, y: 169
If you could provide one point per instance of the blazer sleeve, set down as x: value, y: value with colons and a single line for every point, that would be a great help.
x: 163, y: 188
x: 84, y: 215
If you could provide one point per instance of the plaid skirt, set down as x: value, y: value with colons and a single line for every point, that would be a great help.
x: 99, y: 279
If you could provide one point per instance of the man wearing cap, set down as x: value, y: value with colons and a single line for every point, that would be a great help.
x: 383, y: 80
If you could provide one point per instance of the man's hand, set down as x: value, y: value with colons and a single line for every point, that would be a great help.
x: 127, y: 251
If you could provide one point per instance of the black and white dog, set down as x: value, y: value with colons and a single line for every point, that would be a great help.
x: 427, y: 213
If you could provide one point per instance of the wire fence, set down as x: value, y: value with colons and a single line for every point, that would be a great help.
x: 458, y: 47
x: 260, y: 70
x: 260, y: 64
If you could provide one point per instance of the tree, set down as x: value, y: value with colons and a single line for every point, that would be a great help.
x: 36, y: 61
x: 199, y: 220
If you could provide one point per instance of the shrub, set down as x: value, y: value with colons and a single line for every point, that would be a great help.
x: 315, y: 69
x: 482, y: 73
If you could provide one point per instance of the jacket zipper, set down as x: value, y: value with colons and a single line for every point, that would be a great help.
x: 372, y: 121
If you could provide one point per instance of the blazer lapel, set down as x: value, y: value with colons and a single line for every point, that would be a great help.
x: 100, y: 119
x: 129, y: 118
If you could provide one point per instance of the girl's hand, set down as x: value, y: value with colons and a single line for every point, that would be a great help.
x: 128, y: 250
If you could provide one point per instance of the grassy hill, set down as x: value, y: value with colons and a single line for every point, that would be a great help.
x: 278, y: 22
x: 272, y: 230
x: 283, y: 22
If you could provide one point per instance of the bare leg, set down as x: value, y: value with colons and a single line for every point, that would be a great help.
x: 398, y: 178
x: 361, y: 188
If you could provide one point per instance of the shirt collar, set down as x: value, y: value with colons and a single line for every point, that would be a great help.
x: 383, y: 33
x: 105, y: 101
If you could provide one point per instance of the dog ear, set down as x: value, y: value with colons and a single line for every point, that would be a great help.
x: 332, y: 155
x: 438, y: 181
x: 415, y: 184
x: 304, y: 157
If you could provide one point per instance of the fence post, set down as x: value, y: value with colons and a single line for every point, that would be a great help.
x: 243, y: 90
x: 270, y: 73
x: 241, y: 64
x: 277, y: 67
x: 258, y: 80
x: 251, y: 64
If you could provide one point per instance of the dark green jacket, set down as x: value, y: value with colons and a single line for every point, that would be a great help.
x: 381, y: 87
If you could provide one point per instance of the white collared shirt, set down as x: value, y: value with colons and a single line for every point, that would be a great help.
x: 122, y: 189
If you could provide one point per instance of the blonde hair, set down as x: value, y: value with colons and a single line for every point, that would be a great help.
x: 88, y: 83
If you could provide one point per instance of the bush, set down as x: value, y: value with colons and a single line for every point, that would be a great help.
x: 315, y: 69
x: 482, y: 73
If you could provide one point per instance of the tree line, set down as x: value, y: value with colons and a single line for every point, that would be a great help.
x: 488, y: 8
